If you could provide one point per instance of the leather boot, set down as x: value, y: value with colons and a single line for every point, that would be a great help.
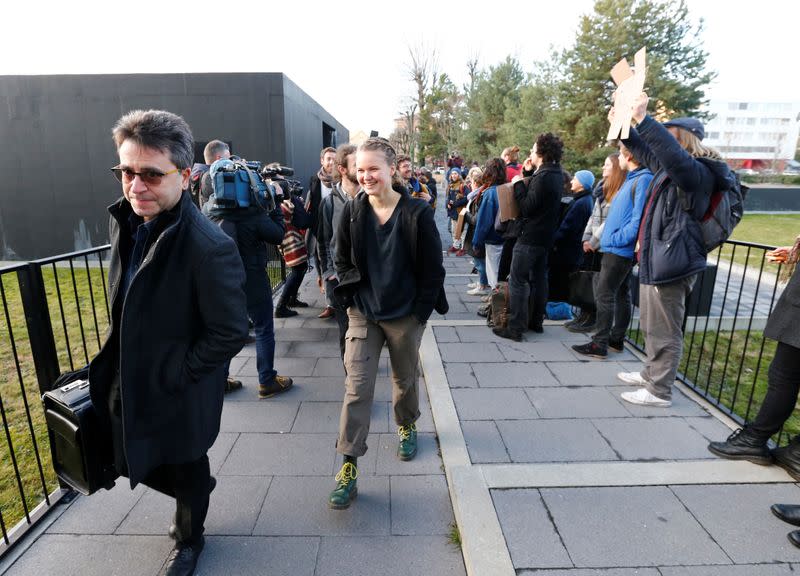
x: 789, y: 513
x: 743, y: 444
x: 788, y: 457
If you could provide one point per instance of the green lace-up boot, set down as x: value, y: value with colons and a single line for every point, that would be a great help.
x: 346, y: 488
x: 408, y: 442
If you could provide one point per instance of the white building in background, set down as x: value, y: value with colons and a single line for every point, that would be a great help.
x: 754, y: 134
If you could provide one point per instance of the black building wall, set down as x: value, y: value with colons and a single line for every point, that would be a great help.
x: 55, y: 133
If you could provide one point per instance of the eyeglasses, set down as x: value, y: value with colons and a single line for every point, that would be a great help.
x: 150, y: 177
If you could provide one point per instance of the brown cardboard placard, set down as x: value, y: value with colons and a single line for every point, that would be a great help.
x: 509, y: 209
x: 629, y: 85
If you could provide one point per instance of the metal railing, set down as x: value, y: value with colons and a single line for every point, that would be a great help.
x: 725, y: 355
x: 55, y: 313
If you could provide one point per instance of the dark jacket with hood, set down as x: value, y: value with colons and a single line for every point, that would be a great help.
x: 539, y: 205
x: 425, y: 248
x: 568, y: 239
x: 671, y: 243
x: 182, y: 318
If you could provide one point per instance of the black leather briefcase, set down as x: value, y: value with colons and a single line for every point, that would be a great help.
x: 81, y: 453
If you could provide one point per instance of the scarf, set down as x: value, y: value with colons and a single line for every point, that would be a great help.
x: 326, y: 179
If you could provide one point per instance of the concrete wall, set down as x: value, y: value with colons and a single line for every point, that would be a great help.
x: 55, y: 133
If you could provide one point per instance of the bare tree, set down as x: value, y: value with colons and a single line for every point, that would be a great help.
x: 422, y: 71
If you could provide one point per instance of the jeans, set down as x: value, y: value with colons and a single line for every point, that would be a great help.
x: 292, y: 284
x: 612, y: 295
x: 528, y: 272
x: 783, y: 387
x: 261, y: 315
x: 480, y: 264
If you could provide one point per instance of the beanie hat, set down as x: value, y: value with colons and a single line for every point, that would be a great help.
x: 586, y: 179
x: 692, y: 125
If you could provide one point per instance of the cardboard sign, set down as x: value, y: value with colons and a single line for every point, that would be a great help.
x: 508, y: 204
x: 460, y: 223
x: 630, y: 84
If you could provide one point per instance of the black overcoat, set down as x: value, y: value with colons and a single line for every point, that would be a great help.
x: 184, y: 316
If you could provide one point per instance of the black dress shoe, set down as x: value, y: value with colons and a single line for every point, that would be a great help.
x: 183, y: 559
x: 297, y: 304
x: 743, y: 444
x: 788, y: 458
x: 282, y: 311
x: 794, y: 537
x: 789, y: 513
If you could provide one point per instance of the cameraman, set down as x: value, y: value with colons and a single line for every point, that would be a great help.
x: 293, y: 248
x: 252, y: 229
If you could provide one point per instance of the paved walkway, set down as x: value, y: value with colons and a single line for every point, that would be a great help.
x: 543, y: 468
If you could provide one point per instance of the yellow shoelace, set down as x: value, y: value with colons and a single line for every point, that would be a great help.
x: 347, y: 473
x: 405, y: 431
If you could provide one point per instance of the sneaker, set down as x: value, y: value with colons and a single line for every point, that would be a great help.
x: 591, y: 349
x: 616, y: 346
x: 478, y: 291
x: 282, y: 311
x: 634, y: 378
x: 279, y: 385
x: 473, y: 284
x: 328, y: 312
x: 642, y: 397
x: 298, y: 304
x: 407, y: 448
x: 346, y: 489
x: 507, y: 333
x: 743, y: 445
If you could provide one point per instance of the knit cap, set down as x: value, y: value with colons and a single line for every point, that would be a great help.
x: 586, y: 179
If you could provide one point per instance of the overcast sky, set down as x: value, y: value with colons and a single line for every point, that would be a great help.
x: 352, y: 57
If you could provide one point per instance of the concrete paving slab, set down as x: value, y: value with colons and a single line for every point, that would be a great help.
x: 263, y: 416
x: 294, y: 366
x: 236, y: 364
x: 751, y: 534
x: 531, y: 537
x: 712, y: 429
x: 536, y: 351
x: 305, y: 388
x: 220, y: 450
x: 100, y: 513
x: 152, y: 514
x: 477, y: 334
x: 651, y: 527
x: 742, y: 570
x: 298, y: 506
x: 513, y: 374
x: 554, y: 441
x: 256, y: 556
x: 93, y: 555
x: 361, y: 556
x: 576, y: 403
x: 278, y: 455
x: 493, y: 404
x: 585, y: 373
x: 653, y: 438
x: 420, y: 505
x: 235, y: 503
x: 323, y: 417
x: 330, y: 367
x: 426, y: 462
x: 301, y: 335
x: 446, y: 334
x: 460, y: 375
x: 460, y: 352
x: 593, y: 572
x: 484, y: 443
x: 314, y: 350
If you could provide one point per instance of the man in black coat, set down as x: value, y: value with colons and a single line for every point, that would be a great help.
x: 319, y: 187
x: 178, y: 316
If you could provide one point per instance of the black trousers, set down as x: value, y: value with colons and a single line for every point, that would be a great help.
x: 340, y: 313
x: 613, y: 299
x: 528, y: 279
x: 782, y: 389
x: 505, y: 259
x: 292, y: 285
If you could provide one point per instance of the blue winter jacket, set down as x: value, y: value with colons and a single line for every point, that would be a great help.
x: 487, y: 214
x: 625, y: 214
x: 672, y: 244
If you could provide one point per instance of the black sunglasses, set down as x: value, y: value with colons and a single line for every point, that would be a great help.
x: 149, y: 176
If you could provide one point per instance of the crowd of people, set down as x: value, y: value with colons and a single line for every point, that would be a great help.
x: 185, y: 284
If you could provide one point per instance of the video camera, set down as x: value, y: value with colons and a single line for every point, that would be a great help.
x: 276, y: 175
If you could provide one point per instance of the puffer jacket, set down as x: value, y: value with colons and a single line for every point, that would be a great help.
x: 670, y: 238
x: 594, y: 227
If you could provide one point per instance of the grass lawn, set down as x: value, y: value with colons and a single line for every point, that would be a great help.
x: 769, y: 229
x: 78, y: 334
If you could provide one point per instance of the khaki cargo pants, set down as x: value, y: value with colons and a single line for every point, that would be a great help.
x: 365, y: 340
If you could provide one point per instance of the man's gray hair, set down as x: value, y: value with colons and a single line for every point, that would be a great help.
x: 158, y: 130
x: 213, y: 149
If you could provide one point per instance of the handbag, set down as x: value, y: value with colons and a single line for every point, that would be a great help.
x: 581, y: 290
x: 81, y: 452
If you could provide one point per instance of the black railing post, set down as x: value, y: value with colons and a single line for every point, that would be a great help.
x: 40, y: 329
